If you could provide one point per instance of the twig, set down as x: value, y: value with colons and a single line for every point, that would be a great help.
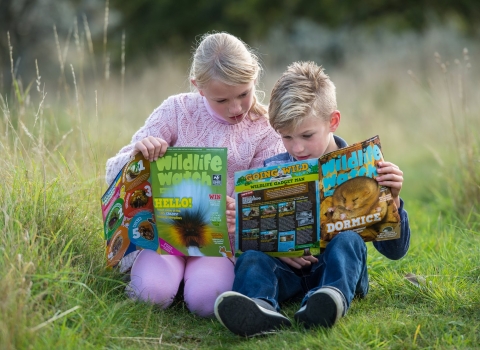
x: 149, y: 339
x: 54, y: 318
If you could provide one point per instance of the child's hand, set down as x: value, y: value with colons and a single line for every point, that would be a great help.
x: 391, y: 176
x: 299, y: 263
x: 151, y: 147
x: 230, y: 215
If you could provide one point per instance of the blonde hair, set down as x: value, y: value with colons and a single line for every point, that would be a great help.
x: 302, y: 91
x: 224, y: 57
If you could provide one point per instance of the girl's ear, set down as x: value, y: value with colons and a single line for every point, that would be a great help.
x: 334, y: 120
x: 194, y: 83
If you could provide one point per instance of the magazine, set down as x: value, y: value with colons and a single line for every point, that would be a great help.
x: 277, y: 209
x: 294, y: 208
x: 161, y: 205
x: 189, y: 187
x: 351, y: 198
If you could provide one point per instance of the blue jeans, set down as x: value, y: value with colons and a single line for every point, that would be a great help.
x: 343, y: 265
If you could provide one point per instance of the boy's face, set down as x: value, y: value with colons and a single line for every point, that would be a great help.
x: 312, y: 138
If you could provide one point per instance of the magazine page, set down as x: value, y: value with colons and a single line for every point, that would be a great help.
x: 189, y: 187
x: 127, y: 210
x: 351, y: 198
x: 277, y: 209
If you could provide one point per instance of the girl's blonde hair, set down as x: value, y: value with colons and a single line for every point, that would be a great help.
x: 304, y: 90
x: 224, y: 57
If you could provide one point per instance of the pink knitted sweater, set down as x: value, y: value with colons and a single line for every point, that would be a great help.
x: 184, y: 121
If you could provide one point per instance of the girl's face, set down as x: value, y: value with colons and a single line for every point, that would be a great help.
x: 231, y: 102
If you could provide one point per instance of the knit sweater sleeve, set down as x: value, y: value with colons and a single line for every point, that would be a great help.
x: 162, y: 123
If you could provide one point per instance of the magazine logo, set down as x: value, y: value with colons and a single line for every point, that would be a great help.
x: 172, y: 170
x: 277, y: 173
x: 216, y: 179
x: 359, y: 163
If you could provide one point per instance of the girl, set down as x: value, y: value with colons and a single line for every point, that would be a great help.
x: 223, y: 112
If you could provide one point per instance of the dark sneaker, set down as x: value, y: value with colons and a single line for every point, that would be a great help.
x: 323, y: 308
x: 247, y: 317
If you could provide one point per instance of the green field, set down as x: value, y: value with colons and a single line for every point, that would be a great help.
x: 55, y: 137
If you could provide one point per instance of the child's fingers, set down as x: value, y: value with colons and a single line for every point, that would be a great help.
x: 146, y: 147
x: 230, y: 216
x: 291, y: 262
x: 230, y: 213
x: 230, y: 203
x: 141, y: 147
x: 391, y: 176
x: 156, y: 147
x: 297, y: 263
x: 310, y: 258
x: 395, y: 185
x: 151, y: 147
x: 392, y: 184
x: 161, y: 148
x: 384, y: 164
x: 390, y: 180
x: 390, y: 173
x: 387, y: 167
x: 230, y: 228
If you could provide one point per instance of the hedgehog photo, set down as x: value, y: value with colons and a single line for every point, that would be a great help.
x: 191, y: 228
x: 191, y: 231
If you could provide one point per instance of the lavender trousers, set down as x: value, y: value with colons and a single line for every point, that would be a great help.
x: 156, y: 278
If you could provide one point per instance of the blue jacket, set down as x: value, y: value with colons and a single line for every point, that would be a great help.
x: 393, y: 249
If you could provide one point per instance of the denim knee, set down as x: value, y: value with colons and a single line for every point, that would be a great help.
x: 347, y: 239
x: 252, y: 257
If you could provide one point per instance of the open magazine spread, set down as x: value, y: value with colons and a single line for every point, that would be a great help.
x: 175, y: 205
x: 277, y: 209
x: 294, y: 208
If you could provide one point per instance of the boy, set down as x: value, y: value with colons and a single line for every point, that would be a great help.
x: 303, y: 110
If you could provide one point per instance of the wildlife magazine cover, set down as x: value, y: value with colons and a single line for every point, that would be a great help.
x: 351, y: 198
x: 189, y: 188
x: 277, y: 209
x: 187, y: 200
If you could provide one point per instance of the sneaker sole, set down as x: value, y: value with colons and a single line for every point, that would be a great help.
x: 321, y: 309
x: 246, y: 318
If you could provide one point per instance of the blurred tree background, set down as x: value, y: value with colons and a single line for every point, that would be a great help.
x: 174, y: 25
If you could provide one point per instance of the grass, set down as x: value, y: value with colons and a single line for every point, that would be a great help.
x: 56, y: 294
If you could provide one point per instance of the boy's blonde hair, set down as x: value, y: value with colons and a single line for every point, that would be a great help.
x: 302, y: 91
x: 224, y: 57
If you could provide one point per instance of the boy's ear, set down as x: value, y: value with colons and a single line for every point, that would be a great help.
x: 334, y: 120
